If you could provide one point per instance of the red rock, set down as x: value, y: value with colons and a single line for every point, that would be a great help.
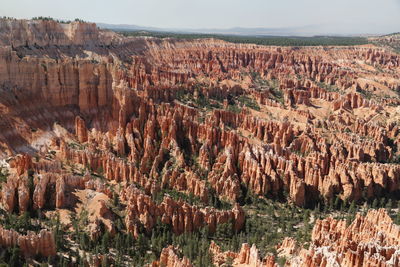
x: 181, y: 216
x: 31, y: 244
x: 372, y: 240
x: 168, y: 258
x: 316, y: 143
x: 23, y: 194
x: 80, y: 130
x: 8, y: 195
x: 39, y: 199
x: 246, y: 257
x: 22, y: 163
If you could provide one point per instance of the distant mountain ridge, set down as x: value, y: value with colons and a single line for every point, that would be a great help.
x: 259, y: 31
x: 308, y: 30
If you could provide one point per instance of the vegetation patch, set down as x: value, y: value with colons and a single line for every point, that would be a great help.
x: 259, y: 40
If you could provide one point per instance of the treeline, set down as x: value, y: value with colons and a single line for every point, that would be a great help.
x: 57, y: 20
x: 383, y: 41
x: 259, y: 40
x: 8, y: 18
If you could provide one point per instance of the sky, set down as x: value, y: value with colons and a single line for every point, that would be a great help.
x: 330, y: 16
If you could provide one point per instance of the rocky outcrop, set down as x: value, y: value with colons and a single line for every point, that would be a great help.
x: 39, y: 195
x: 168, y: 258
x: 16, y: 194
x: 353, y: 101
x: 213, y: 120
x: 247, y: 256
x: 49, y: 33
x: 8, y: 194
x: 22, y: 163
x: 133, y: 112
x: 370, y: 240
x: 31, y: 244
x: 181, y: 216
x: 50, y: 190
x: 81, y: 130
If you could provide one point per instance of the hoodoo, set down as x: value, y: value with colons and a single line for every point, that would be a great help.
x: 143, y: 151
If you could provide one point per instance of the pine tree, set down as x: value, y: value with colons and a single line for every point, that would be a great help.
x: 31, y: 186
x: 330, y: 204
x: 352, y: 208
x: 337, y: 203
x: 14, y: 260
x: 115, y: 199
x: 389, y: 205
x: 81, y: 261
x: 382, y: 203
x: 375, y: 203
x: 105, y: 242
x: 142, y: 244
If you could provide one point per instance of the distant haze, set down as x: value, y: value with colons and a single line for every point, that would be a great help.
x: 292, y: 17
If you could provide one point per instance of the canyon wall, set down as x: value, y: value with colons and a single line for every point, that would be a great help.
x: 83, y: 109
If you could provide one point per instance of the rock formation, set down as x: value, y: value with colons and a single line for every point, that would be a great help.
x: 168, y: 258
x: 181, y: 216
x: 370, y: 240
x: 132, y: 121
x: 141, y: 120
x: 80, y: 130
x: 31, y: 244
x: 247, y: 256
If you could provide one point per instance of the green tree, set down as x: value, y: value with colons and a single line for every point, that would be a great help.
x: 105, y: 242
x: 389, y: 205
x: 382, y: 203
x: 375, y: 203
x: 352, y: 208
x: 15, y: 258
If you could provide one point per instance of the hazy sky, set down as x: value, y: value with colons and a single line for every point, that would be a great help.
x: 341, y: 16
